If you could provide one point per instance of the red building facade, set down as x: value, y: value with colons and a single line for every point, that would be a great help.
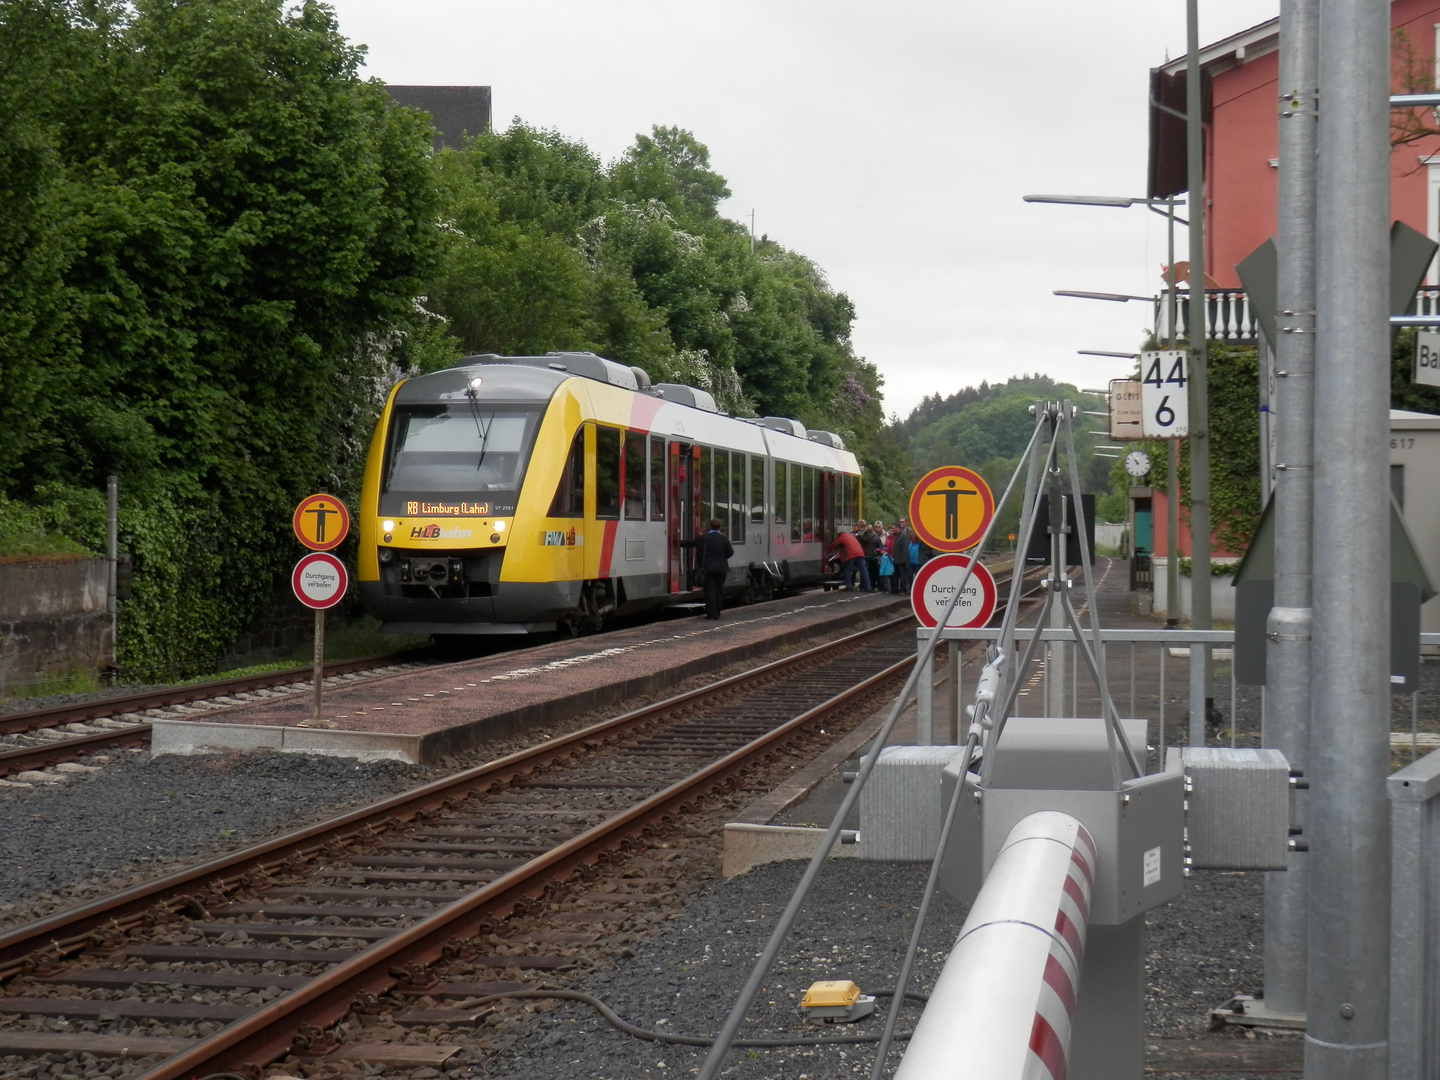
x: 1241, y: 99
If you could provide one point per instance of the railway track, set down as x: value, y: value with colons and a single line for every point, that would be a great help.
x: 43, y: 738
x: 64, y: 733
x: 256, y: 953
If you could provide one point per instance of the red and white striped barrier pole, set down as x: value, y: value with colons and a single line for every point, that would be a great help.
x: 1004, y: 1004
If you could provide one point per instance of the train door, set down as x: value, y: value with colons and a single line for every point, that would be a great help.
x: 684, y: 483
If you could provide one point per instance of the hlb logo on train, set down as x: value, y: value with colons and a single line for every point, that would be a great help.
x: 561, y: 538
x: 435, y: 532
x: 1427, y: 358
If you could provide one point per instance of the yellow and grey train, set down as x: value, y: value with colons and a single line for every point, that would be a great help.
x: 525, y: 494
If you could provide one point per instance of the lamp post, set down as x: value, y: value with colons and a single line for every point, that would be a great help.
x: 1172, y: 485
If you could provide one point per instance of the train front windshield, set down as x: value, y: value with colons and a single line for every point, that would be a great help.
x: 468, y: 452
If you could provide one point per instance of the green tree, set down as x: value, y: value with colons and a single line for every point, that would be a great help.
x: 252, y: 221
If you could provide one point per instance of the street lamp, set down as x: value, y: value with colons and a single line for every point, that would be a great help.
x: 1115, y: 297
x: 1172, y: 492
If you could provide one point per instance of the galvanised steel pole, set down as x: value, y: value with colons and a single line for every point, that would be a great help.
x: 1287, y: 670
x: 1172, y: 453
x: 1347, y: 1004
x: 1200, y: 583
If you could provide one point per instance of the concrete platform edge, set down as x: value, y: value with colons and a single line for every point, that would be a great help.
x: 198, y: 736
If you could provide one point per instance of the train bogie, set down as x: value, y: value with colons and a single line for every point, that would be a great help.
x: 519, y: 494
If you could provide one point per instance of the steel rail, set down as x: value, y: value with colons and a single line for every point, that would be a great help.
x: 266, y: 1035
x: 70, y: 929
x: 54, y: 716
x: 52, y: 753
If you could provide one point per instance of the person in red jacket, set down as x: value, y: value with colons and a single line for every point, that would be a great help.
x: 853, y: 554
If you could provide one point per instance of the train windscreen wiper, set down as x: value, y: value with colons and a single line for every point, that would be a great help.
x: 482, y: 429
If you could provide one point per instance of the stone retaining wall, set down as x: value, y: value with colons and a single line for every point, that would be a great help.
x: 52, y: 620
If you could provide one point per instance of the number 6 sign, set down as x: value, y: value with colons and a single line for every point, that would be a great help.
x: 1164, y: 401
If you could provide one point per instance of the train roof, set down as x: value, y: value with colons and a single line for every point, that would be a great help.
x: 513, y: 383
x: 532, y: 377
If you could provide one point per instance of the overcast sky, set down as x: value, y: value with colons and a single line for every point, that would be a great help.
x: 890, y: 142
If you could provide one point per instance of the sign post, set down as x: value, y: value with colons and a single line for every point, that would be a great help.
x: 319, y: 580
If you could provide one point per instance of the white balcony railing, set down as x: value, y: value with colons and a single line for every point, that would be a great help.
x: 1230, y: 318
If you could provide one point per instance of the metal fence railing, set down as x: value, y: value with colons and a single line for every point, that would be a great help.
x: 1148, y: 671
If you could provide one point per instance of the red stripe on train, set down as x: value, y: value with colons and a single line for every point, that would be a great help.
x: 607, y: 547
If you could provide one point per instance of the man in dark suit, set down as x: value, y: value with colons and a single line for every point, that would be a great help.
x: 714, y: 551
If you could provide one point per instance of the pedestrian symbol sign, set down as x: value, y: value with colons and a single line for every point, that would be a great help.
x: 321, y: 522
x: 951, y: 508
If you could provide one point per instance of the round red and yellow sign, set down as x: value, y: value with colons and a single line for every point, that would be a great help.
x: 951, y: 508
x: 321, y: 522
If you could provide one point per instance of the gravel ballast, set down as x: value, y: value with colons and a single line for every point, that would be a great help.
x: 58, y: 840
x: 1201, y: 949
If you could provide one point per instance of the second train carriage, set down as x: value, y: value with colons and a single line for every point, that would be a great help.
x: 523, y: 494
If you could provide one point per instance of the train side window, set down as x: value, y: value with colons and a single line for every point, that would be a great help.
x: 569, y: 498
x: 737, y: 498
x: 634, y: 476
x: 757, y: 489
x: 806, y: 516
x: 607, y: 472
x: 722, y: 491
x: 782, y: 492
x: 657, y: 478
x: 707, y: 469
x: 797, y: 501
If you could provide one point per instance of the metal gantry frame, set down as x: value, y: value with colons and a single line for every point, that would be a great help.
x: 1054, y: 418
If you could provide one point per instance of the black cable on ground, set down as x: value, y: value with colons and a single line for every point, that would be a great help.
x: 684, y: 1040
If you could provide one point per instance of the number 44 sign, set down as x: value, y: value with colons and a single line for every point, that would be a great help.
x: 1164, y: 401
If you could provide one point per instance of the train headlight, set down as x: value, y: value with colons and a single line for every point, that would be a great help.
x: 387, y: 526
x: 499, y: 526
x: 386, y: 556
x: 389, y: 538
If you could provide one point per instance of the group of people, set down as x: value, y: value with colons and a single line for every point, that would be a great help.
x: 877, y: 558
x: 873, y: 558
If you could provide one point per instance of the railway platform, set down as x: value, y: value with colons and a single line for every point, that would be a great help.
x: 425, y: 714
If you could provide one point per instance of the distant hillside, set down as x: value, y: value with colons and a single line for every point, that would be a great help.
x: 987, y: 427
